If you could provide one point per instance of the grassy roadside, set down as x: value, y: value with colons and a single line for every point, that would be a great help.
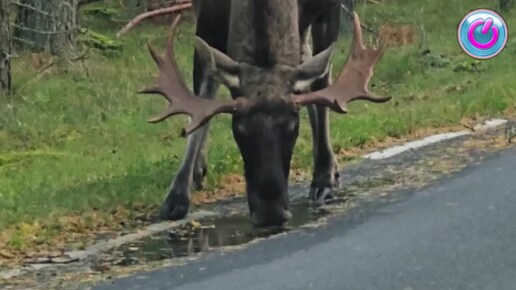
x: 76, y: 154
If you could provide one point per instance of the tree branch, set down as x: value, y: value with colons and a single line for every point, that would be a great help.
x: 153, y: 13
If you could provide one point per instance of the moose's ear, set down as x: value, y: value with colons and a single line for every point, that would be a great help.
x: 313, y: 69
x: 225, y: 69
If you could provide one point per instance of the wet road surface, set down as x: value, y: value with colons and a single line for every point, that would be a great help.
x: 458, y: 234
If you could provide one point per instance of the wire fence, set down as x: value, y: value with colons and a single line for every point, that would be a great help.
x: 47, y: 25
x: 44, y: 25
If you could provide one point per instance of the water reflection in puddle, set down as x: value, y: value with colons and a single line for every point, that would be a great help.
x: 211, y: 233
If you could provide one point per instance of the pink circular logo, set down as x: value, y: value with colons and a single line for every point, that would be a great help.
x: 482, y: 33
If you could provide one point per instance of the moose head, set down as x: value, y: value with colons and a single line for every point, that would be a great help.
x: 265, y: 119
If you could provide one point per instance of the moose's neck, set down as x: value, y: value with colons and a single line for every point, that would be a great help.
x: 264, y: 32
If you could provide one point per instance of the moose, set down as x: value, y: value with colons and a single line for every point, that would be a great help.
x: 260, y: 50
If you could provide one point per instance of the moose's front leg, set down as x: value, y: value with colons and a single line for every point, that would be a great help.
x: 325, y: 174
x: 177, y: 202
x: 194, y: 165
x: 325, y: 30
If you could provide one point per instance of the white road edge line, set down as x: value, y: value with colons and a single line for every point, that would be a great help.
x: 160, y: 227
x: 393, y: 151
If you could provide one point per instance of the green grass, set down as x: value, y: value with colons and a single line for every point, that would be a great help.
x: 76, y: 140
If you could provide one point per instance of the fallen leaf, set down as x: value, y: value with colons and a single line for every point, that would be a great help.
x: 195, y: 224
x: 6, y: 255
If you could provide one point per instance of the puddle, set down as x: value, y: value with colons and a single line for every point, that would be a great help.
x: 211, y: 233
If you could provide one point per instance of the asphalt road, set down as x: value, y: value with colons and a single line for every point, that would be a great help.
x: 459, y: 234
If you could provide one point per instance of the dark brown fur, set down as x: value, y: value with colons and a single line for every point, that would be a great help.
x: 266, y: 41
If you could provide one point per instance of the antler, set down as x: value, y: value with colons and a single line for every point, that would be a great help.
x: 352, y: 83
x: 172, y: 86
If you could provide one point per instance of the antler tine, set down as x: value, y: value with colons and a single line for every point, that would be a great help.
x: 358, y: 46
x: 155, y: 55
x: 181, y: 99
x: 353, y: 81
x: 161, y: 61
x: 358, y: 37
x: 170, y: 52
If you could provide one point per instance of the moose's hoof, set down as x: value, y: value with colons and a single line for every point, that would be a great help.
x: 175, y: 207
x: 321, y: 195
x: 323, y: 189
